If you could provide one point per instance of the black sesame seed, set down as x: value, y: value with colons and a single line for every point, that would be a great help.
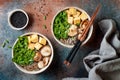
x: 18, y: 19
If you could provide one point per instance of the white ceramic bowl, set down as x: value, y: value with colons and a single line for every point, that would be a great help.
x: 41, y: 70
x: 11, y: 13
x: 89, y: 33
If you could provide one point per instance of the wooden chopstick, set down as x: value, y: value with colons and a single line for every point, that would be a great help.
x: 90, y: 23
x: 72, y: 53
x: 81, y: 39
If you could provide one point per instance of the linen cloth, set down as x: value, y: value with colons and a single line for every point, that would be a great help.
x: 104, y: 63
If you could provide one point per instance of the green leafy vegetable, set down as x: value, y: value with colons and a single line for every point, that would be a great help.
x: 23, y: 55
x: 61, y: 25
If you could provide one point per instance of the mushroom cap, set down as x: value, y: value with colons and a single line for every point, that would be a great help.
x: 46, y: 60
x: 41, y: 64
x: 46, y: 51
x: 37, y: 57
x: 72, y: 30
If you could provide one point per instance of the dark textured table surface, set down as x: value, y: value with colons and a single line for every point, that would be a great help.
x: 36, y: 9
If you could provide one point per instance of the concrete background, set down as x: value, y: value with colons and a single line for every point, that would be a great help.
x: 36, y: 10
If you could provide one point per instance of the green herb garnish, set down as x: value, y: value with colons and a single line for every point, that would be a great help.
x: 9, y: 46
x: 44, y: 17
x: 7, y: 41
x: 44, y: 26
x: 61, y: 26
x: 22, y: 55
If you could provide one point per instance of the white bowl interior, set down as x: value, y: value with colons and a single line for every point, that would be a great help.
x: 89, y: 33
x: 11, y: 13
x: 41, y: 70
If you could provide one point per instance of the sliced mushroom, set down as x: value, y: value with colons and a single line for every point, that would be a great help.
x: 29, y: 67
x: 79, y: 36
x: 84, y: 24
x: 80, y: 31
x: 46, y: 60
x: 72, y: 30
x: 37, y: 57
x: 35, y: 66
x: 46, y: 51
x: 41, y: 64
x: 82, y: 28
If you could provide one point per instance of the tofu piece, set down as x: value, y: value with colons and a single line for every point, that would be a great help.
x: 37, y: 46
x: 29, y: 40
x: 77, y: 15
x: 42, y: 41
x: 34, y: 38
x: 77, y: 20
x: 72, y: 11
x: 83, y: 16
x: 70, y: 20
x: 68, y: 13
x: 31, y: 46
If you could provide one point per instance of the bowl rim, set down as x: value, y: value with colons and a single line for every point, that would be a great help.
x: 89, y: 33
x: 41, y: 70
x: 11, y: 13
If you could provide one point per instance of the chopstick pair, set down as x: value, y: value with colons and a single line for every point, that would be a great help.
x: 81, y: 38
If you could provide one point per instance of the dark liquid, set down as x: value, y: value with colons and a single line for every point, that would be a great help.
x: 18, y: 19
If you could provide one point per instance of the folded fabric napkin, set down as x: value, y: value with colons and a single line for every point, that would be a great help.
x: 104, y: 63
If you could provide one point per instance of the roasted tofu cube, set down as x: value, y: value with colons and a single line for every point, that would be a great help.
x: 77, y: 15
x: 31, y: 46
x: 83, y: 16
x: 34, y: 38
x: 77, y: 20
x: 42, y: 41
x: 70, y: 20
x: 68, y: 13
x: 72, y: 11
x: 29, y: 39
x: 38, y: 46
